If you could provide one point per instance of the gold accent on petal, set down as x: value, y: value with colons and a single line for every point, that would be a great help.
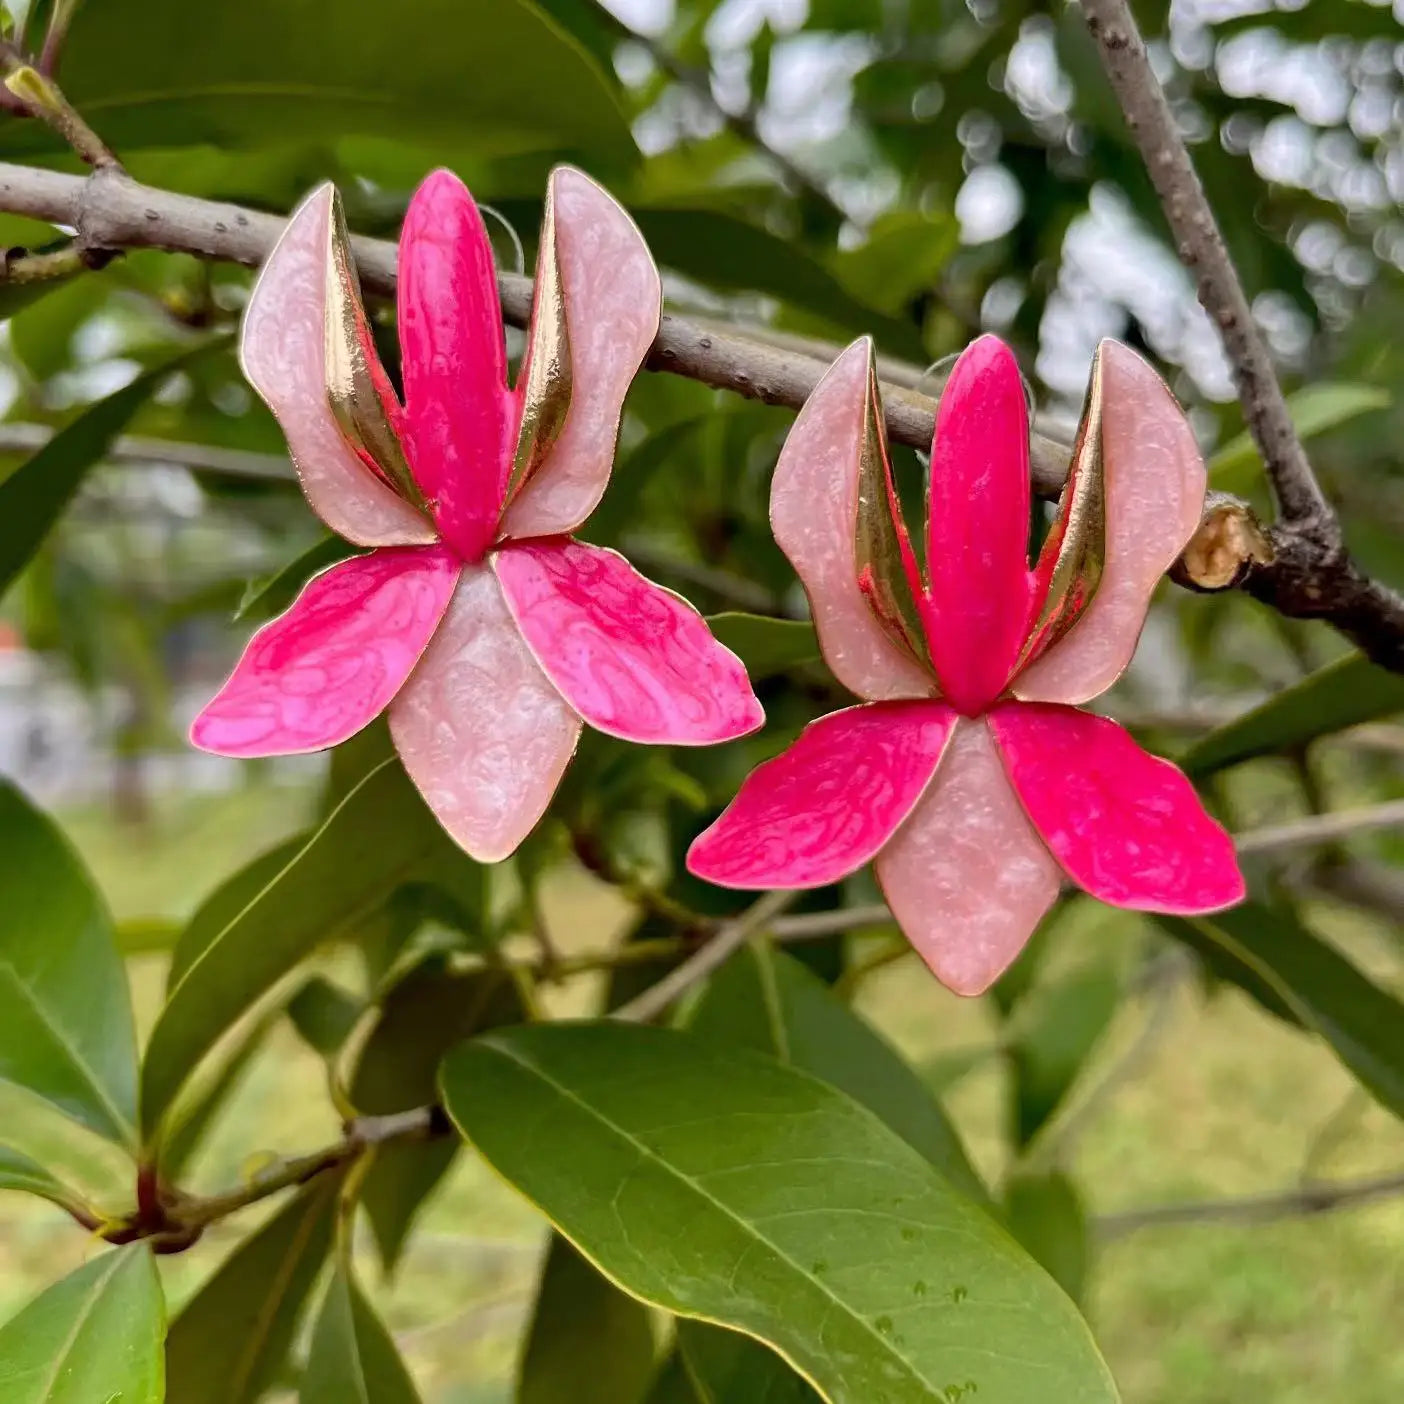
x: 362, y: 400
x: 545, y: 387
x: 882, y: 550
x: 1074, y: 554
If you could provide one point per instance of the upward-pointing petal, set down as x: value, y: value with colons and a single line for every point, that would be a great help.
x: 596, y: 275
x: 282, y: 348
x: 977, y: 535
x: 1154, y: 497
x: 459, y: 418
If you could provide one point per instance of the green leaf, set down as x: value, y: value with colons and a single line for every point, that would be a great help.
x: 430, y: 1011
x: 65, y: 1016
x: 1284, y: 964
x: 378, y: 837
x: 1236, y: 467
x: 766, y: 1000
x: 271, y: 596
x: 719, y: 1184
x: 1057, y: 1029
x: 324, y: 1015
x: 1345, y: 693
x: 674, y: 1384
x: 353, y: 1359
x: 93, y: 1338
x: 19, y: 1172
x: 33, y: 497
x: 589, y: 1343
x: 726, y: 1365
x: 233, y: 1336
x: 256, y: 72
x: 1045, y: 1214
x: 766, y: 646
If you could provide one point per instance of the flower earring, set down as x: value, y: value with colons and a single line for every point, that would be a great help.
x: 968, y: 775
x: 489, y: 633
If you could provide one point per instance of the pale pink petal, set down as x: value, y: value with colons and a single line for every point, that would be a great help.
x: 822, y: 809
x: 1154, y: 498
x: 480, y: 728
x: 634, y: 659
x: 966, y: 876
x: 282, y: 351
x: 320, y: 672
x: 460, y: 422
x: 813, y: 513
x: 1127, y: 826
x: 613, y: 303
x: 977, y: 557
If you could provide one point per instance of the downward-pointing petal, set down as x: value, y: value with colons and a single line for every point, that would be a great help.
x: 282, y: 350
x: 480, y: 728
x: 966, y: 876
x: 1127, y: 826
x: 823, y: 808
x: 329, y: 666
x: 632, y: 658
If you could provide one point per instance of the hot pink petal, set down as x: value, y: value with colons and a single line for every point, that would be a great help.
x: 632, y: 658
x: 480, y: 728
x: 316, y: 675
x: 966, y: 876
x: 822, y: 809
x: 613, y: 303
x: 813, y: 511
x: 281, y: 348
x: 1127, y: 826
x: 978, y: 532
x: 1154, y: 498
x: 459, y: 417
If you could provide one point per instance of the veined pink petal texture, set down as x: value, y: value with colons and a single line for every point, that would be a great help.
x: 459, y: 417
x: 822, y: 809
x: 813, y: 512
x: 330, y: 665
x: 282, y: 351
x: 966, y: 876
x: 981, y: 588
x: 1155, y: 482
x: 1127, y: 826
x: 632, y: 658
x: 480, y: 728
x: 613, y: 300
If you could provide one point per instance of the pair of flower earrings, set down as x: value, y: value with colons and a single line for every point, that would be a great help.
x: 966, y: 775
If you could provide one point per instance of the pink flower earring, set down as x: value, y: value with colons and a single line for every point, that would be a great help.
x: 968, y: 775
x: 489, y: 632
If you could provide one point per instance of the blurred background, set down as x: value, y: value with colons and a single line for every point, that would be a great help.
x: 918, y: 169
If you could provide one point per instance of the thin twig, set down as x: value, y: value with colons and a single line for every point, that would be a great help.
x: 1252, y: 1209
x: 1322, y: 828
x: 729, y: 938
x: 42, y: 98
x: 1307, y: 573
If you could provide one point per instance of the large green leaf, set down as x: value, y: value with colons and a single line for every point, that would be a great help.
x: 20, y: 1172
x: 65, y: 1017
x: 35, y: 494
x: 353, y: 1359
x: 1237, y: 466
x: 766, y: 646
x: 479, y: 75
x: 589, y: 1342
x: 93, y: 1338
x: 766, y: 1000
x: 233, y: 1336
x: 726, y: 1365
x: 1045, y: 1214
x: 1345, y: 693
x: 1293, y: 971
x: 720, y: 1184
x: 377, y: 838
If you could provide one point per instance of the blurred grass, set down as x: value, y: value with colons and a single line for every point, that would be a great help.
x: 1228, y: 1102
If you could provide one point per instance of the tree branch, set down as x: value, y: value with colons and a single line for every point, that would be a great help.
x: 1322, y: 828
x: 110, y: 211
x: 1309, y: 574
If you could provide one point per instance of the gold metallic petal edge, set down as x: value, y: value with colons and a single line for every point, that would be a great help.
x: 546, y: 386
x: 359, y: 392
